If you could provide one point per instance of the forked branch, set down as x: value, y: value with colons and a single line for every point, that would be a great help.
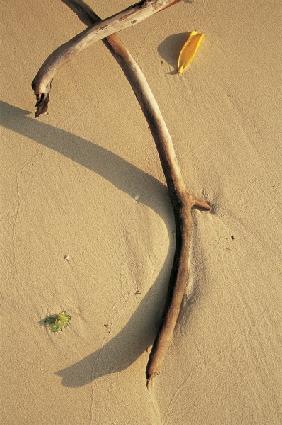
x: 182, y: 201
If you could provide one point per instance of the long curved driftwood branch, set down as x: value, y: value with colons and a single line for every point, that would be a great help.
x: 182, y: 201
x: 124, y: 19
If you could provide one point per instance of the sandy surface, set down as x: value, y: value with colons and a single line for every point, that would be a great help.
x: 85, y: 181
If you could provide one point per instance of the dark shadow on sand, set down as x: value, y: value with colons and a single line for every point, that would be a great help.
x: 118, y: 171
x: 139, y: 332
x: 122, y: 350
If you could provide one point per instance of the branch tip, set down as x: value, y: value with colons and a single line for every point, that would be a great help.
x: 150, y: 382
x: 201, y: 204
x: 41, y: 105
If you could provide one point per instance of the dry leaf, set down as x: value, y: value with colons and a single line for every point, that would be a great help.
x: 189, y: 50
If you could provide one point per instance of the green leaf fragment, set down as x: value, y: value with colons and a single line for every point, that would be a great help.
x: 57, y: 322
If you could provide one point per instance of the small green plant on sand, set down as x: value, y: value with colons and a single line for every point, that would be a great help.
x: 57, y: 322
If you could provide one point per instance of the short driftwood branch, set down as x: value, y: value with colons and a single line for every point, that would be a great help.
x: 126, y: 18
x: 182, y: 201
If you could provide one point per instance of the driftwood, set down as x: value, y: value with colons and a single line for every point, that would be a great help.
x: 182, y: 201
x: 126, y: 18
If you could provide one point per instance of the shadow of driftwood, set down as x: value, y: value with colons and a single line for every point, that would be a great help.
x: 118, y: 171
x: 170, y: 47
x: 138, y: 334
x: 122, y: 350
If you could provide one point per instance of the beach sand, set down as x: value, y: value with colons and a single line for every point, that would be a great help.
x: 87, y: 226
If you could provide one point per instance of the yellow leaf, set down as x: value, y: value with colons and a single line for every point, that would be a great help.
x: 189, y: 50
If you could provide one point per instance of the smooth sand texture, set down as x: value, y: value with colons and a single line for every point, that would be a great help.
x: 85, y: 181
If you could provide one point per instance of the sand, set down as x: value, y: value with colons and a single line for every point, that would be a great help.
x: 85, y: 182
